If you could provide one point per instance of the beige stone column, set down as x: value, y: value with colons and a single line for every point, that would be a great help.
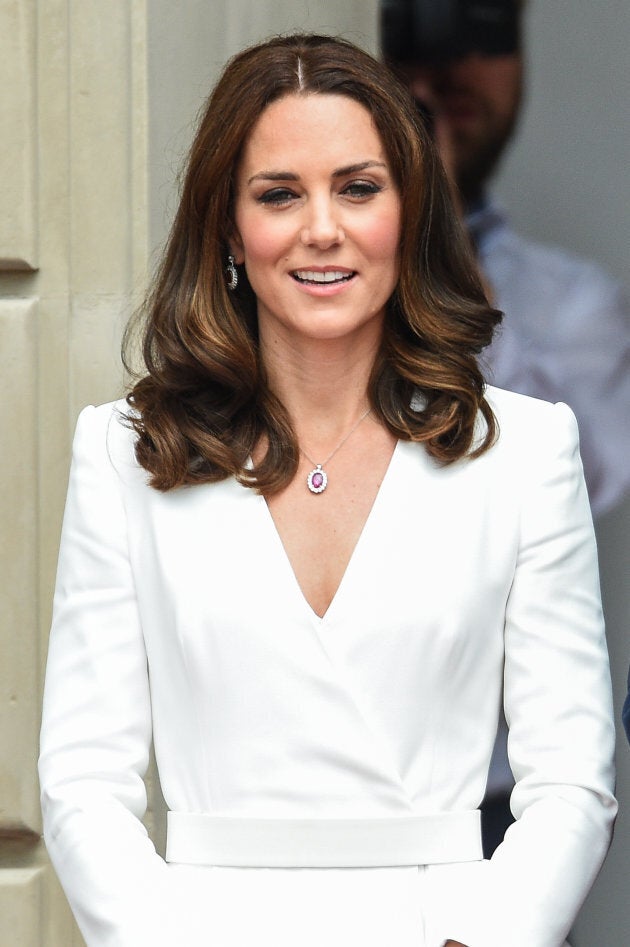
x: 73, y: 251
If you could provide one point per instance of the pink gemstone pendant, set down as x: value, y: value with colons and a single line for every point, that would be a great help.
x: 317, y: 480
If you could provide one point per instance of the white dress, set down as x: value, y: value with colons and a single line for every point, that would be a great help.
x: 385, y: 707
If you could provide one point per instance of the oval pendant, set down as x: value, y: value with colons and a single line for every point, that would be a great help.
x: 317, y: 480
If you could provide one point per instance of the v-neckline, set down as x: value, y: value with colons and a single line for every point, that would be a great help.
x: 288, y: 565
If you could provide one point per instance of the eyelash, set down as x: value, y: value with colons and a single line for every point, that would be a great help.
x: 357, y: 190
x: 362, y: 189
x: 277, y: 196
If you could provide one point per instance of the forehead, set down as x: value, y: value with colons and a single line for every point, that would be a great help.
x: 313, y: 127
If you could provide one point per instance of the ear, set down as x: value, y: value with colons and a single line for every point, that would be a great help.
x: 236, y: 246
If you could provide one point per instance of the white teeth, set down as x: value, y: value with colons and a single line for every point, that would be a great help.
x: 330, y: 276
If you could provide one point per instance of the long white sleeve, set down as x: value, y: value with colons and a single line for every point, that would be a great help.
x: 97, y: 721
x: 558, y: 708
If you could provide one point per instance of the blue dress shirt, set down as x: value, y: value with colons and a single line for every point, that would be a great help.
x: 565, y: 337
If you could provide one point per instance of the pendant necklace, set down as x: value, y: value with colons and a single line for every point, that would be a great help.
x: 317, y: 480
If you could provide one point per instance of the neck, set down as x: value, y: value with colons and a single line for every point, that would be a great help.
x: 323, y: 387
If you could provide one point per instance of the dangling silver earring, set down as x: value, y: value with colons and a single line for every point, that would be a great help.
x: 231, y: 273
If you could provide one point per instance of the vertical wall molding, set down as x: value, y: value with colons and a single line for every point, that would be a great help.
x: 18, y: 117
x: 19, y: 647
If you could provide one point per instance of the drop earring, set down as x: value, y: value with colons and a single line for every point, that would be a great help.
x: 231, y: 273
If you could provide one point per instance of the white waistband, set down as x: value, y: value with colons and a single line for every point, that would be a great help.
x: 201, y: 839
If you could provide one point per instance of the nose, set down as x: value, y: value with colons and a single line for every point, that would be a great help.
x: 321, y: 227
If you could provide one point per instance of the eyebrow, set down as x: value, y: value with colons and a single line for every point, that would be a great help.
x: 337, y: 173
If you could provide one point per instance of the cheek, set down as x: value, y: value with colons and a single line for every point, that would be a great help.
x: 262, y: 241
x: 505, y: 91
x: 382, y: 238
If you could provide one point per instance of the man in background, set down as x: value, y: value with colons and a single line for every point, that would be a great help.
x: 566, y: 329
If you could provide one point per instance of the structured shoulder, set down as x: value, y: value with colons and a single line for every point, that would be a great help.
x: 525, y: 411
x: 104, y: 435
x: 529, y: 428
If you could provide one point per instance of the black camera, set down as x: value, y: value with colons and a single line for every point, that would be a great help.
x: 441, y: 30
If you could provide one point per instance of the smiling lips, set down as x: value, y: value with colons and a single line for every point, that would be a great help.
x: 322, y: 277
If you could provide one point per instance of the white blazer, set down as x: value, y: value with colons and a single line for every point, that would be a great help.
x: 177, y: 615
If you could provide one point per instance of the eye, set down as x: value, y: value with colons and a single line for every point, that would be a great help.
x: 277, y: 196
x: 361, y: 189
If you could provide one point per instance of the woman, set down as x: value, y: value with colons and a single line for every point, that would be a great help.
x: 308, y: 524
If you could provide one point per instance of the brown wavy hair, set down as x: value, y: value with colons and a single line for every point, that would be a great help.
x: 203, y: 402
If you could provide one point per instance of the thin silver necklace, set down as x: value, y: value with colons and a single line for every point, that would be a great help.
x: 317, y: 480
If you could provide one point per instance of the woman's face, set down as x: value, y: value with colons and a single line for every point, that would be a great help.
x: 318, y: 219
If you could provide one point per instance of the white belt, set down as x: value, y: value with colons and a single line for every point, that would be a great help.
x: 201, y: 839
